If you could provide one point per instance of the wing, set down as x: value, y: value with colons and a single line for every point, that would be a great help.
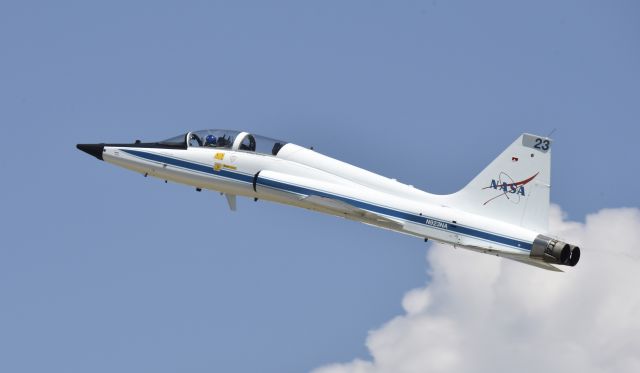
x: 352, y: 212
x: 309, y: 193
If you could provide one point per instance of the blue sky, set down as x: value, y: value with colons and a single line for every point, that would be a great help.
x: 103, y: 270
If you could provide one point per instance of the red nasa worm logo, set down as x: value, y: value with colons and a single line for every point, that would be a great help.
x: 512, y: 190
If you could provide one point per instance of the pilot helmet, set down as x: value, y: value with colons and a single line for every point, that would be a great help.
x: 210, y: 140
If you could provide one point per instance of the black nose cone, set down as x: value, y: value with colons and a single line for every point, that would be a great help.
x: 92, y: 149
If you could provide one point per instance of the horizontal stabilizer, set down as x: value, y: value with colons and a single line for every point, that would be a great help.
x: 537, y: 263
x: 517, y: 258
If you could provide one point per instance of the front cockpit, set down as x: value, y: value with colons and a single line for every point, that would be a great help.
x: 227, y: 139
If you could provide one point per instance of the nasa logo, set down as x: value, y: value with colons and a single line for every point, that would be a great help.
x: 507, y: 186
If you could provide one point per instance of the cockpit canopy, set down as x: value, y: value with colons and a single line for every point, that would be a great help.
x: 227, y: 139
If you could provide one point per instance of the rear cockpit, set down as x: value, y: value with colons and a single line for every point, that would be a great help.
x: 227, y: 139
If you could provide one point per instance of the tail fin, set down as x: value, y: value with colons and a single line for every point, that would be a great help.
x: 515, y: 187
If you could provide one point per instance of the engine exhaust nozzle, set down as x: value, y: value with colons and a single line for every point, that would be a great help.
x: 575, y: 255
x: 554, y: 251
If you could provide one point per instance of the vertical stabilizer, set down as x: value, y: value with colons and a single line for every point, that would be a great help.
x: 515, y: 187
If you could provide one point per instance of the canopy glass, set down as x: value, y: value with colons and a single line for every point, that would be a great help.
x: 227, y: 139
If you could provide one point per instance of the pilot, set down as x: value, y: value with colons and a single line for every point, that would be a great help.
x: 210, y: 141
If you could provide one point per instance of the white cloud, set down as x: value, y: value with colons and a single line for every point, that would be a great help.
x: 484, y: 314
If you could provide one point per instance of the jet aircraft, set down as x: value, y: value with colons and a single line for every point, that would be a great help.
x: 503, y: 211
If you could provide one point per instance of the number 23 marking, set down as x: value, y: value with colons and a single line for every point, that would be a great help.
x: 541, y: 144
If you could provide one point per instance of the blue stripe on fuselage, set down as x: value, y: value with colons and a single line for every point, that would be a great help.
x: 420, y: 219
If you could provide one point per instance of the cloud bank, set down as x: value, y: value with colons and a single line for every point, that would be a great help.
x: 483, y: 314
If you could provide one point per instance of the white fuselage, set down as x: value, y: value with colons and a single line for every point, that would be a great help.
x: 301, y: 177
